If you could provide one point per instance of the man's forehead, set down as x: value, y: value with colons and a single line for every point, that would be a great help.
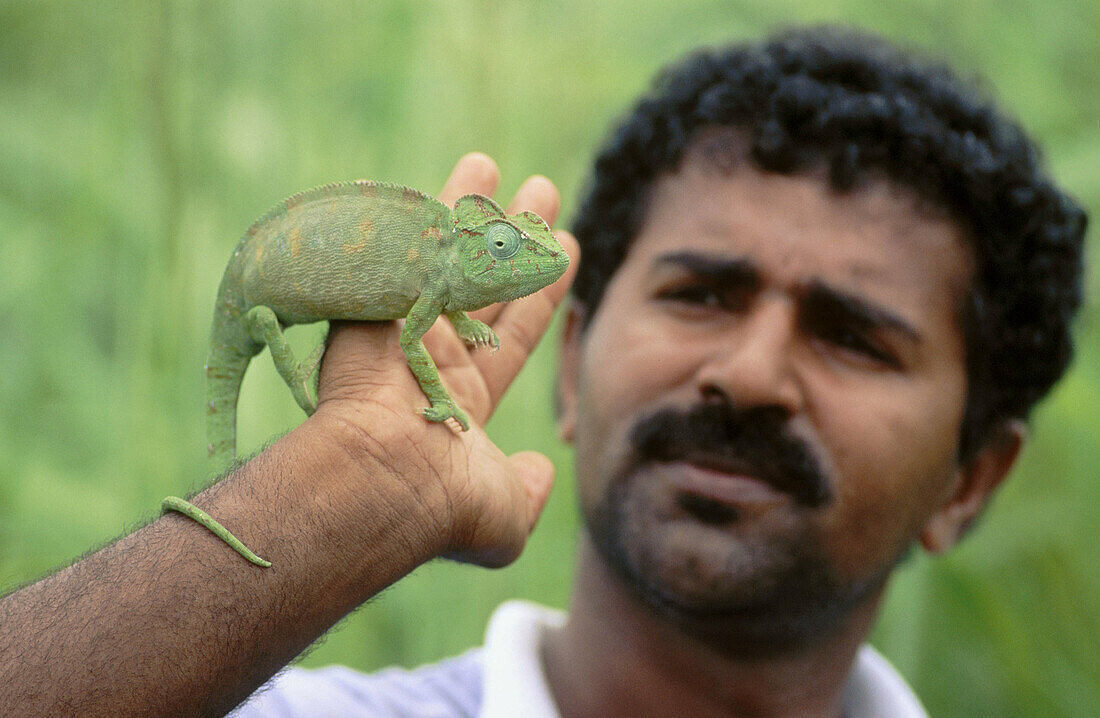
x: 722, y: 151
x: 876, y: 242
x: 870, y: 228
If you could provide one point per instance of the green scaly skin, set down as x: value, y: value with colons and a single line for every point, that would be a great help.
x: 174, y: 503
x: 363, y: 251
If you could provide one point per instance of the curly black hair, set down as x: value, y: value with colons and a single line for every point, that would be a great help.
x: 855, y: 104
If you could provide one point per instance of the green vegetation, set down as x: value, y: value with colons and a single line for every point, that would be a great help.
x: 138, y: 140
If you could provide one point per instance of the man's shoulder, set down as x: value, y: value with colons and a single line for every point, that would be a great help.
x: 451, y: 688
x: 875, y: 688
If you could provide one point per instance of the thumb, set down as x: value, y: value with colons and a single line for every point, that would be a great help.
x: 536, y: 473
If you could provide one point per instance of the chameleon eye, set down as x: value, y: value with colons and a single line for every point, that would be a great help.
x: 502, y: 240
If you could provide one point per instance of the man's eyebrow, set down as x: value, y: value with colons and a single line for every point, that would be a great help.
x: 736, y: 271
x: 867, y: 314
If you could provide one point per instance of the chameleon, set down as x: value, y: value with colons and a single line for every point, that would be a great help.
x: 362, y: 251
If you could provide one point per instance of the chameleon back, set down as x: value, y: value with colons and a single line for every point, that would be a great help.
x: 355, y: 250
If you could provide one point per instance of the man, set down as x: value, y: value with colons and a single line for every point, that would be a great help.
x: 823, y: 285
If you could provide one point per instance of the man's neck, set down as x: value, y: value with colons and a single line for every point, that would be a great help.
x: 616, y: 656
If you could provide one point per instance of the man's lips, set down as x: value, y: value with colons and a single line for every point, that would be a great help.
x: 723, y: 484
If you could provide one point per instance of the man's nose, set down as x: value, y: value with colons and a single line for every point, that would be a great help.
x: 753, y: 362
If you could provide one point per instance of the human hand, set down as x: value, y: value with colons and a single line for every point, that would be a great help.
x: 479, y: 504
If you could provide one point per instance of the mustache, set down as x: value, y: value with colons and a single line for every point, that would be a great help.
x: 754, y: 441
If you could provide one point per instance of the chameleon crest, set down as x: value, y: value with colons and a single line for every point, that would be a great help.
x: 363, y: 251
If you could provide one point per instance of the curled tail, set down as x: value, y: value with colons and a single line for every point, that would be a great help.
x: 174, y: 503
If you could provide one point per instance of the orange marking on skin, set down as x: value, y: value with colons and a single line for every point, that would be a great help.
x: 259, y: 252
x: 412, y: 254
x: 295, y: 241
x: 369, y: 190
x: 365, y: 228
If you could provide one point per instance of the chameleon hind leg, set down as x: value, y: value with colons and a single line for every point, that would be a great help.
x: 174, y: 503
x: 264, y: 327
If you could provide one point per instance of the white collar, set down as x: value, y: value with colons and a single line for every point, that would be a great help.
x: 514, y: 683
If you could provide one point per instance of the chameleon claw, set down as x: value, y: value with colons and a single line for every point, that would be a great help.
x: 441, y: 411
x: 476, y: 333
x: 307, y: 403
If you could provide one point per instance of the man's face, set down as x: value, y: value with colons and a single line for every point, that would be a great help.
x: 819, y: 331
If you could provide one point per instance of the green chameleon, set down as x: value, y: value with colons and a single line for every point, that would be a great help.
x: 362, y: 251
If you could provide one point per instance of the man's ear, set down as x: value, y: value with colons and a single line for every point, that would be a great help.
x: 974, y: 485
x: 568, y: 366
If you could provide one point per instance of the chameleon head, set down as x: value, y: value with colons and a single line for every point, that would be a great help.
x: 500, y: 257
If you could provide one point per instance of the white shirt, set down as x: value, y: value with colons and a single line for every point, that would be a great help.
x: 504, y: 679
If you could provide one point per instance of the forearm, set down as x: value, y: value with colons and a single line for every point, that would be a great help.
x: 169, y: 620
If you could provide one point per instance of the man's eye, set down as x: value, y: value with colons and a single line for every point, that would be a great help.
x: 855, y: 341
x: 725, y: 297
x: 700, y: 296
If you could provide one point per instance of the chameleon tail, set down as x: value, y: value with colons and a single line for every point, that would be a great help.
x: 224, y: 372
x: 230, y: 352
x: 174, y: 503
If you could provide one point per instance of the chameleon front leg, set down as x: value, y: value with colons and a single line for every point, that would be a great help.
x: 264, y: 327
x: 420, y: 318
x: 472, y: 331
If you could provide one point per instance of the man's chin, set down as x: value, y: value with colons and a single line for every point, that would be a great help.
x: 701, y: 569
x: 705, y: 553
x: 753, y: 614
x: 756, y: 583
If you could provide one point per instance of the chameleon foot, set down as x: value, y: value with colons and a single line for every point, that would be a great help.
x: 443, y: 410
x: 486, y: 338
x: 174, y: 503
x: 475, y: 333
x: 310, y: 367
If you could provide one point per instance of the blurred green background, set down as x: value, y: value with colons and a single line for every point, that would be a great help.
x: 139, y: 139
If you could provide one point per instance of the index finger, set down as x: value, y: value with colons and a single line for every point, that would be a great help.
x: 474, y: 173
